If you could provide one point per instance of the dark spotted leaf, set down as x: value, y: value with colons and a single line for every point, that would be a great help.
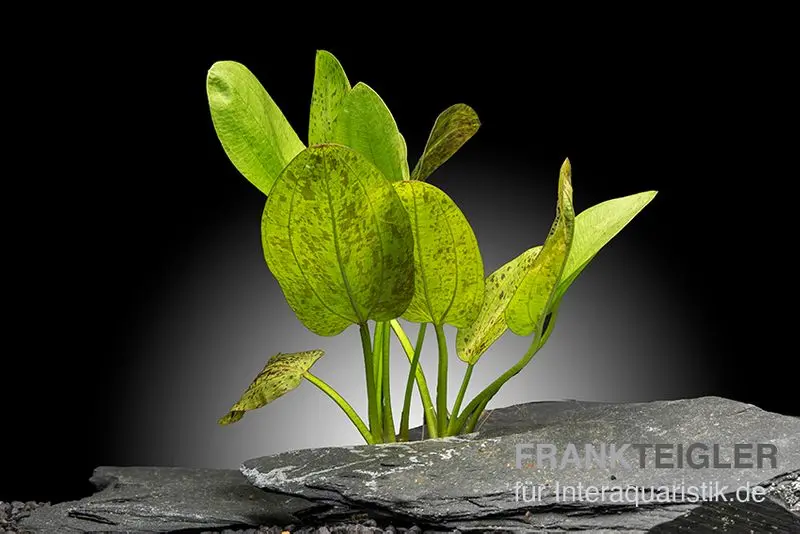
x: 528, y: 307
x: 454, y: 127
x: 338, y: 239
x: 501, y: 285
x: 282, y: 374
x: 330, y: 88
x: 448, y: 281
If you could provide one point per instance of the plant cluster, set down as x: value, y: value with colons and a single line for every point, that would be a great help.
x: 355, y: 237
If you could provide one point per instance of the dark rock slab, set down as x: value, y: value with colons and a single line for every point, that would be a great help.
x: 164, y: 499
x: 473, y: 482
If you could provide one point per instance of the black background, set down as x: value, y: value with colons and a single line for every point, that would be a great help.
x: 116, y: 162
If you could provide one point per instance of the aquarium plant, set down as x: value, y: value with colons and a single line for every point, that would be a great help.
x: 356, y: 237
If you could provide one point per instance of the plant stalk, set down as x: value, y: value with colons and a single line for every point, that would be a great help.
x: 377, y: 358
x: 388, y: 418
x: 369, y: 367
x: 475, y: 417
x: 410, y: 383
x: 490, y: 390
x: 460, y: 399
x: 344, y: 405
x: 422, y: 384
x: 441, y: 384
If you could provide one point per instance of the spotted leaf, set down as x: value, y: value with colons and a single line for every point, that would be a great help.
x: 331, y: 86
x: 448, y: 280
x: 453, y: 127
x: 528, y: 308
x: 282, y: 374
x: 338, y: 239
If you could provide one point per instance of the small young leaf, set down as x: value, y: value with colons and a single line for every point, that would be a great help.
x: 338, y: 239
x: 282, y: 374
x: 448, y: 280
x: 330, y: 88
x: 594, y: 228
x: 453, y: 127
x: 530, y: 303
x: 501, y: 285
x: 254, y: 133
x: 366, y: 125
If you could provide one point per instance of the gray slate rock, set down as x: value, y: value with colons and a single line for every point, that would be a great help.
x: 165, y: 499
x: 470, y: 482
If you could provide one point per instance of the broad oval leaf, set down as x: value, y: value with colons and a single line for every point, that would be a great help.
x: 529, y: 305
x: 366, y: 125
x: 330, y: 89
x: 338, y: 239
x: 448, y: 280
x: 594, y: 228
x: 474, y: 340
x: 453, y: 127
x: 282, y: 374
x: 254, y: 133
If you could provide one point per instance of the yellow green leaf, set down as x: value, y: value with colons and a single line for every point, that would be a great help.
x: 254, y: 133
x: 338, y: 240
x: 448, y: 279
x: 366, y: 125
x: 330, y: 89
x: 594, y: 228
x: 530, y: 303
x: 475, y: 339
x: 282, y: 374
x: 453, y: 127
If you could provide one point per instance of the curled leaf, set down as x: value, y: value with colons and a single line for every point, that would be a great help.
x: 330, y: 89
x: 282, y: 374
x: 366, y: 125
x: 448, y: 279
x: 254, y: 133
x: 338, y: 239
x: 526, y: 312
x: 453, y: 127
x: 475, y: 339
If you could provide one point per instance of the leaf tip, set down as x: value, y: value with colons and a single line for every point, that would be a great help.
x: 231, y: 417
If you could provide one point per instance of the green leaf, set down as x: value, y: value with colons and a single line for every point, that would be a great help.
x: 330, y: 88
x: 366, y: 125
x: 594, y: 228
x: 338, y: 239
x: 476, y: 338
x: 531, y: 302
x: 448, y: 280
x: 453, y: 127
x: 254, y: 133
x: 282, y: 374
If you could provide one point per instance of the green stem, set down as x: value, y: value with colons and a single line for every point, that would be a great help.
x: 460, y: 398
x: 490, y: 390
x: 422, y: 384
x: 369, y: 367
x: 377, y: 358
x: 388, y: 417
x: 343, y: 404
x: 410, y: 383
x: 441, y: 382
x: 475, y: 417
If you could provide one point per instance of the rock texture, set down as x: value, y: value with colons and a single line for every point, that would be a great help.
x: 163, y: 499
x: 473, y: 482
x: 11, y: 513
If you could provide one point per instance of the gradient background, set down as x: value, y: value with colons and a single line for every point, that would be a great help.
x: 142, y: 305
